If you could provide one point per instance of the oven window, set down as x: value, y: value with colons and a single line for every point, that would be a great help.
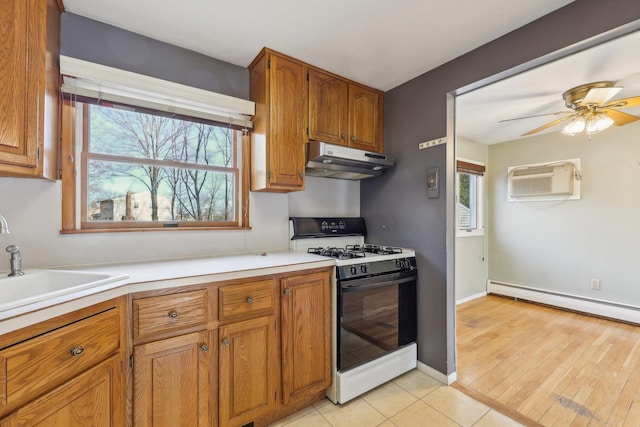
x: 375, y: 321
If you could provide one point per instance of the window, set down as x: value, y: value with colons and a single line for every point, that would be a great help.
x: 469, y: 196
x: 126, y: 166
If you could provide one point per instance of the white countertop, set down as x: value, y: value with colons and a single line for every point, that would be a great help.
x: 141, y: 276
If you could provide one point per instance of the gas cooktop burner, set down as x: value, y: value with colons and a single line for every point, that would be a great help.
x: 375, y: 249
x: 338, y: 253
x: 354, y: 251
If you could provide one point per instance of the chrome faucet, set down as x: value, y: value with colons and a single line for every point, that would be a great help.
x: 16, y: 261
x: 4, y: 227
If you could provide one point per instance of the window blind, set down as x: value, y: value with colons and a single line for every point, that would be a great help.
x: 470, y: 168
x: 87, y: 79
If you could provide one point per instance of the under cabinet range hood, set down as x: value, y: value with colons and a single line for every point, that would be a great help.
x: 336, y: 161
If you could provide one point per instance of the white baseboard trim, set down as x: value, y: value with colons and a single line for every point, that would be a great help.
x: 612, y: 310
x: 471, y: 298
x: 444, y: 379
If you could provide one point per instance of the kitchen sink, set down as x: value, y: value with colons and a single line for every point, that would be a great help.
x: 40, y: 285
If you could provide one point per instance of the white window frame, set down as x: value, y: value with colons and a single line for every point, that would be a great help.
x: 479, y: 203
x: 103, y: 83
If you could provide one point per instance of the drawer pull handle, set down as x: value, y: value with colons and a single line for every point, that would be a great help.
x: 204, y: 347
x: 77, y: 351
x: 287, y: 291
x: 250, y: 300
x: 173, y: 314
x: 225, y: 341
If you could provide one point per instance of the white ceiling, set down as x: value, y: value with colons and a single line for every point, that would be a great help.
x: 380, y: 43
x: 539, y: 91
x: 384, y: 43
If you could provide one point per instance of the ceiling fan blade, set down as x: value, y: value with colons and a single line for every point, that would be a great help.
x: 625, y: 102
x: 600, y: 95
x: 548, y: 125
x: 537, y: 115
x: 619, y: 118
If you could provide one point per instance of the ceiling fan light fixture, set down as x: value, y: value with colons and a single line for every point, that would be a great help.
x: 575, y: 126
x: 598, y: 123
x: 591, y: 122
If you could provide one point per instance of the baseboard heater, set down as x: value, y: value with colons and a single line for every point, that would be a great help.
x: 609, y: 309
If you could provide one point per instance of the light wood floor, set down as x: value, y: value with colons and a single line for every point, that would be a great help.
x: 544, y: 366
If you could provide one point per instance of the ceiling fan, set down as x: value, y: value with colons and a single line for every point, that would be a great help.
x: 591, y: 109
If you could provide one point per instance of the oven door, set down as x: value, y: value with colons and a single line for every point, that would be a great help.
x: 376, y: 315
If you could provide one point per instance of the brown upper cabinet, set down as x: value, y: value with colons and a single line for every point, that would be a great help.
x: 29, y: 80
x: 328, y: 108
x: 278, y: 87
x: 295, y: 103
x: 344, y: 113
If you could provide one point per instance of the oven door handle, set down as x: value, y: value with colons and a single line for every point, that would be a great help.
x: 355, y: 288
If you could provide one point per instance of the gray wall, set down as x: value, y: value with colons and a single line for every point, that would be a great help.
x: 395, y: 204
x: 104, y: 44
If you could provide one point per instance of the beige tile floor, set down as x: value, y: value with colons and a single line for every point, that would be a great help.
x: 413, y: 399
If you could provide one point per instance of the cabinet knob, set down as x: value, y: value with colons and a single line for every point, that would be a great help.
x: 353, y: 137
x: 343, y: 135
x: 250, y: 300
x: 204, y: 347
x: 287, y: 291
x: 225, y: 341
x: 173, y: 314
x: 77, y: 351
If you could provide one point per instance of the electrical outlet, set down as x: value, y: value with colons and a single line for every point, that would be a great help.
x: 595, y: 284
x: 432, y: 143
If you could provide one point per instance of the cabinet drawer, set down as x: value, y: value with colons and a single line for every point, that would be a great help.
x: 246, y: 299
x: 39, y: 364
x: 168, y: 313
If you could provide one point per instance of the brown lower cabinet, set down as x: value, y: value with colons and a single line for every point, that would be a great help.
x: 262, y: 351
x: 172, y: 379
x: 248, y: 370
x: 306, y: 336
x: 233, y: 353
x: 66, y: 371
x: 87, y: 400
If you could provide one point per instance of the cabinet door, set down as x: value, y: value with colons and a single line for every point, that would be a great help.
x: 287, y: 135
x: 328, y: 108
x: 365, y: 119
x: 93, y: 398
x: 18, y: 138
x: 28, y: 87
x: 248, y: 370
x: 306, y: 335
x: 172, y: 380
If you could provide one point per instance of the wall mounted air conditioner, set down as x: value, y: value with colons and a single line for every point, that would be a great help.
x: 543, y: 181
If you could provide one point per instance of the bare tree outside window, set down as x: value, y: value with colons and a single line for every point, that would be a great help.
x: 153, y: 167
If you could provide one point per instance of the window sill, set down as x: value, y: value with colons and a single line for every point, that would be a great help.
x: 470, y: 233
x: 127, y: 230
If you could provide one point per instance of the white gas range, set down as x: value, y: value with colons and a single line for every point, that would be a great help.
x: 374, y: 303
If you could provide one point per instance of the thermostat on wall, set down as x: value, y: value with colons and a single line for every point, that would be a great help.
x: 432, y: 183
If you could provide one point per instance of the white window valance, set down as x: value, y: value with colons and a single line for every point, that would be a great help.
x: 83, y: 78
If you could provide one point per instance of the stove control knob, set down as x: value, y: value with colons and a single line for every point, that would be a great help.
x: 363, y: 268
x: 402, y: 263
x: 353, y: 270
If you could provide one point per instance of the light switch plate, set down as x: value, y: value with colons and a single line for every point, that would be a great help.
x: 432, y: 183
